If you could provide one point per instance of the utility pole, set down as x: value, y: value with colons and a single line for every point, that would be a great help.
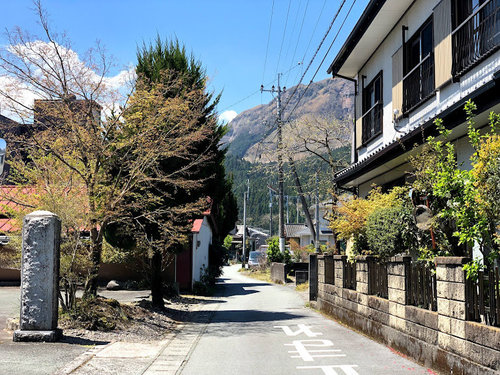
x: 280, y: 162
x: 317, y: 214
x: 244, y: 244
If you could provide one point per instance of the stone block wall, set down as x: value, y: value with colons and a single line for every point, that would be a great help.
x: 278, y: 272
x: 441, y: 339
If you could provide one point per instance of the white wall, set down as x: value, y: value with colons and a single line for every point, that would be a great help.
x: 450, y: 94
x: 200, y: 253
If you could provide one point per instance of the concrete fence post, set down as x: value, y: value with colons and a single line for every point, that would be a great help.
x: 451, y: 298
x: 362, y: 275
x: 338, y: 263
x: 39, y: 278
x: 398, y: 289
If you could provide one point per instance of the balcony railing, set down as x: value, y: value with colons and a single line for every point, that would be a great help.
x: 418, y: 83
x: 372, y: 122
x: 477, y: 37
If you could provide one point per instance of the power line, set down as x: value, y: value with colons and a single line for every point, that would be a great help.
x: 322, y: 61
x: 283, y: 38
x: 312, y: 35
x: 292, y: 32
x: 268, y: 38
x: 298, y: 38
x: 315, y: 54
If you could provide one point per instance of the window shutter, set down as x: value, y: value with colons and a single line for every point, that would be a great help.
x: 442, y: 43
x: 397, y: 81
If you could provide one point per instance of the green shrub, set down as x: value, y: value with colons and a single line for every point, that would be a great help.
x: 391, y: 231
x: 275, y: 255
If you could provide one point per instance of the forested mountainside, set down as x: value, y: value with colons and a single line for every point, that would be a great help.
x: 260, y: 176
x: 329, y: 97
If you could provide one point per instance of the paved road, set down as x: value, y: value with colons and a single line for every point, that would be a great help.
x: 259, y: 328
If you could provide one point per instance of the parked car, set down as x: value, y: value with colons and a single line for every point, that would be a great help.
x: 255, y: 258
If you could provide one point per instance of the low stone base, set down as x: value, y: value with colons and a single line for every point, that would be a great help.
x: 37, y: 336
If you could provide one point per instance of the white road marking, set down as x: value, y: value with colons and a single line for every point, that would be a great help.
x: 302, y: 329
x: 306, y: 355
x: 330, y: 369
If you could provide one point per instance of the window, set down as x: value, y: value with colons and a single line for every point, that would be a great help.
x: 418, y: 80
x: 372, y: 109
x: 476, y: 32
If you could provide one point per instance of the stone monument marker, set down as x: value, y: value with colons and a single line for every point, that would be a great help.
x: 39, y: 277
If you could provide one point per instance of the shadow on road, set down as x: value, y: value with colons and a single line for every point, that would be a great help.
x: 238, y: 289
x: 74, y: 340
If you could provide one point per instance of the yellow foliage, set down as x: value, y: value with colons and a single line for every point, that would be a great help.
x: 351, y: 213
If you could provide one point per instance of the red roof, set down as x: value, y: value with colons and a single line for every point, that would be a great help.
x: 9, y: 197
x: 6, y: 226
x: 197, y: 225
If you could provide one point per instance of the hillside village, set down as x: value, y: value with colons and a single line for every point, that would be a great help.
x: 347, y: 225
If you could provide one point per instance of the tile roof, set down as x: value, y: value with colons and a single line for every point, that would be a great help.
x: 294, y: 230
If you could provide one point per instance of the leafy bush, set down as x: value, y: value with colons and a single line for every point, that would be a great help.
x: 351, y: 213
x: 465, y: 203
x: 274, y: 254
x: 390, y: 231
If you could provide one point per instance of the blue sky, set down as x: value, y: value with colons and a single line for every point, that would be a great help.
x: 229, y: 36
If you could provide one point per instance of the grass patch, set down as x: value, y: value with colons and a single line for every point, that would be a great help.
x: 302, y: 287
x: 258, y: 274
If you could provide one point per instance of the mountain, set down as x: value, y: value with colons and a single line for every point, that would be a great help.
x: 329, y: 97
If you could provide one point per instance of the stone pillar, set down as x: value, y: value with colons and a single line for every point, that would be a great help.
x: 313, y: 277
x: 450, y: 279
x: 338, y: 263
x: 362, y: 276
x: 321, y: 269
x: 397, y: 289
x: 39, y: 278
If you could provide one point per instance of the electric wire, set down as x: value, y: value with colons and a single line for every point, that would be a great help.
x: 268, y: 38
x: 311, y: 38
x: 298, y: 38
x: 283, y: 38
x: 292, y: 32
x: 322, y: 61
x: 314, y: 56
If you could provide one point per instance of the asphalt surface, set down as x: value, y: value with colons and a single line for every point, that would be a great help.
x: 43, y: 358
x: 250, y: 327
x: 259, y: 328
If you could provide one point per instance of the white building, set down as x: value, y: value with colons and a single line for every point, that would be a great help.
x: 413, y: 62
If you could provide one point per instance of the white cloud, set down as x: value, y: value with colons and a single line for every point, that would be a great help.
x: 227, y: 116
x: 78, y: 71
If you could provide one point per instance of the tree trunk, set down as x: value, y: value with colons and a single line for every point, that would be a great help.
x: 91, y: 284
x: 156, y: 280
x: 302, y: 198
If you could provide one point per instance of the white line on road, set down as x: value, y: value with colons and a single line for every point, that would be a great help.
x: 330, y: 369
x: 302, y: 329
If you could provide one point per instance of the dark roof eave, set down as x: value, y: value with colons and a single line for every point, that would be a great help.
x: 356, y: 34
x: 453, y: 116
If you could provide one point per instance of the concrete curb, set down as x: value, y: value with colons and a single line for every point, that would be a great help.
x: 81, y: 360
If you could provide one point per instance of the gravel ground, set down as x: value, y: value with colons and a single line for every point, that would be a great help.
x: 145, y: 324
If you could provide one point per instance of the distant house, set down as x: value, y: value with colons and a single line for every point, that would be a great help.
x: 412, y: 62
x: 254, y: 236
x: 190, y: 264
x: 299, y: 235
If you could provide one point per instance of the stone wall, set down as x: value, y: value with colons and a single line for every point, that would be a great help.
x: 440, y: 339
x: 278, y: 272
